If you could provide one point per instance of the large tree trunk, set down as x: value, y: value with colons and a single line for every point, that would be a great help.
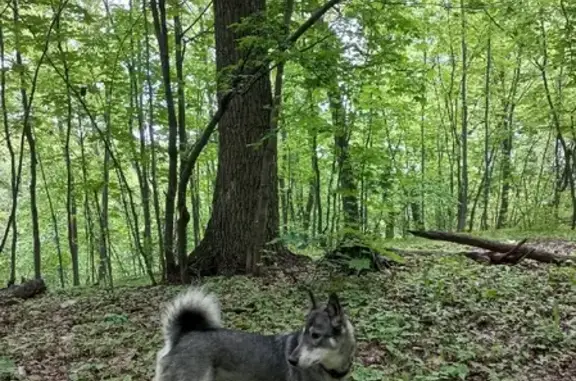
x: 228, y: 239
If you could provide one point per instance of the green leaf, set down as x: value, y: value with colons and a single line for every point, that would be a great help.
x: 359, y: 264
x: 7, y: 366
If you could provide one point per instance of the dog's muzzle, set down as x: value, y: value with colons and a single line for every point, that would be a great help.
x: 293, y: 361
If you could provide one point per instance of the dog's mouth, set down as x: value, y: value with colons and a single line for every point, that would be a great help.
x: 305, y: 364
x: 302, y: 364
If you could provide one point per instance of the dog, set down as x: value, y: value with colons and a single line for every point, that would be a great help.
x: 198, y: 348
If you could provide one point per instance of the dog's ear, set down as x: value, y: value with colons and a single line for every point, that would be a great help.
x: 312, y: 299
x: 334, y: 310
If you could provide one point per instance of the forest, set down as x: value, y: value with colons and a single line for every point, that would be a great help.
x: 416, y: 156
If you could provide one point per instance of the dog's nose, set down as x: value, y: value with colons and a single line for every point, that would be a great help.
x: 293, y: 361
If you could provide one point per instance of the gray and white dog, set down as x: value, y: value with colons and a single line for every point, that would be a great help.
x: 198, y: 348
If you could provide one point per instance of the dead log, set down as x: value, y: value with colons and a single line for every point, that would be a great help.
x: 498, y: 252
x: 27, y: 289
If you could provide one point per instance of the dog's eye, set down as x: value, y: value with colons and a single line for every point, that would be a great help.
x: 315, y: 336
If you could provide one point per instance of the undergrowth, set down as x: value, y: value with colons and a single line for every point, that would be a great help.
x: 435, y: 318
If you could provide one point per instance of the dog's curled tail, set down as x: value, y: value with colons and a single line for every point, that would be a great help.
x: 192, y: 310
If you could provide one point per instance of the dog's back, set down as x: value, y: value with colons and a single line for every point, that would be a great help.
x: 226, y: 355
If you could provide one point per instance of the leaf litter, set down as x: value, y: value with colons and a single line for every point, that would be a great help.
x: 437, y: 318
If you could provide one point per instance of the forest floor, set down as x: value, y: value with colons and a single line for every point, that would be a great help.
x: 435, y: 318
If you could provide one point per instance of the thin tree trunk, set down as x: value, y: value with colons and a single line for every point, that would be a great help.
x: 487, y: 179
x: 144, y: 171
x: 161, y: 31
x: 14, y: 189
x: 182, y: 210
x: 54, y: 224
x: 507, y: 125
x: 105, y: 265
x: 103, y: 213
x: 131, y: 225
x: 151, y: 134
x: 308, y: 208
x: 347, y: 183
x: 195, y: 194
x: 142, y: 250
x: 423, y: 156
x: 276, y: 112
x: 87, y: 210
x: 317, y: 184
x: 330, y: 194
x: 71, y: 211
x: 283, y: 182
x: 463, y: 189
x: 27, y: 105
x: 502, y: 221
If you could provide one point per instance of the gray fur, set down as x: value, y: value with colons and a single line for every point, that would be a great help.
x: 322, y: 350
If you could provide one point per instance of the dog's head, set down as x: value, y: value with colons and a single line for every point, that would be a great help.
x: 327, y: 337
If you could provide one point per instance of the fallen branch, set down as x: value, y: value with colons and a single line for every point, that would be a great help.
x: 498, y: 252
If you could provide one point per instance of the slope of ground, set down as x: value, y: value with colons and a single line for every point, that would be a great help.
x: 436, y: 318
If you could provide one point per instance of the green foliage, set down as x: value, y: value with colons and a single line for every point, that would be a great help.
x: 7, y: 368
x: 398, y: 69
